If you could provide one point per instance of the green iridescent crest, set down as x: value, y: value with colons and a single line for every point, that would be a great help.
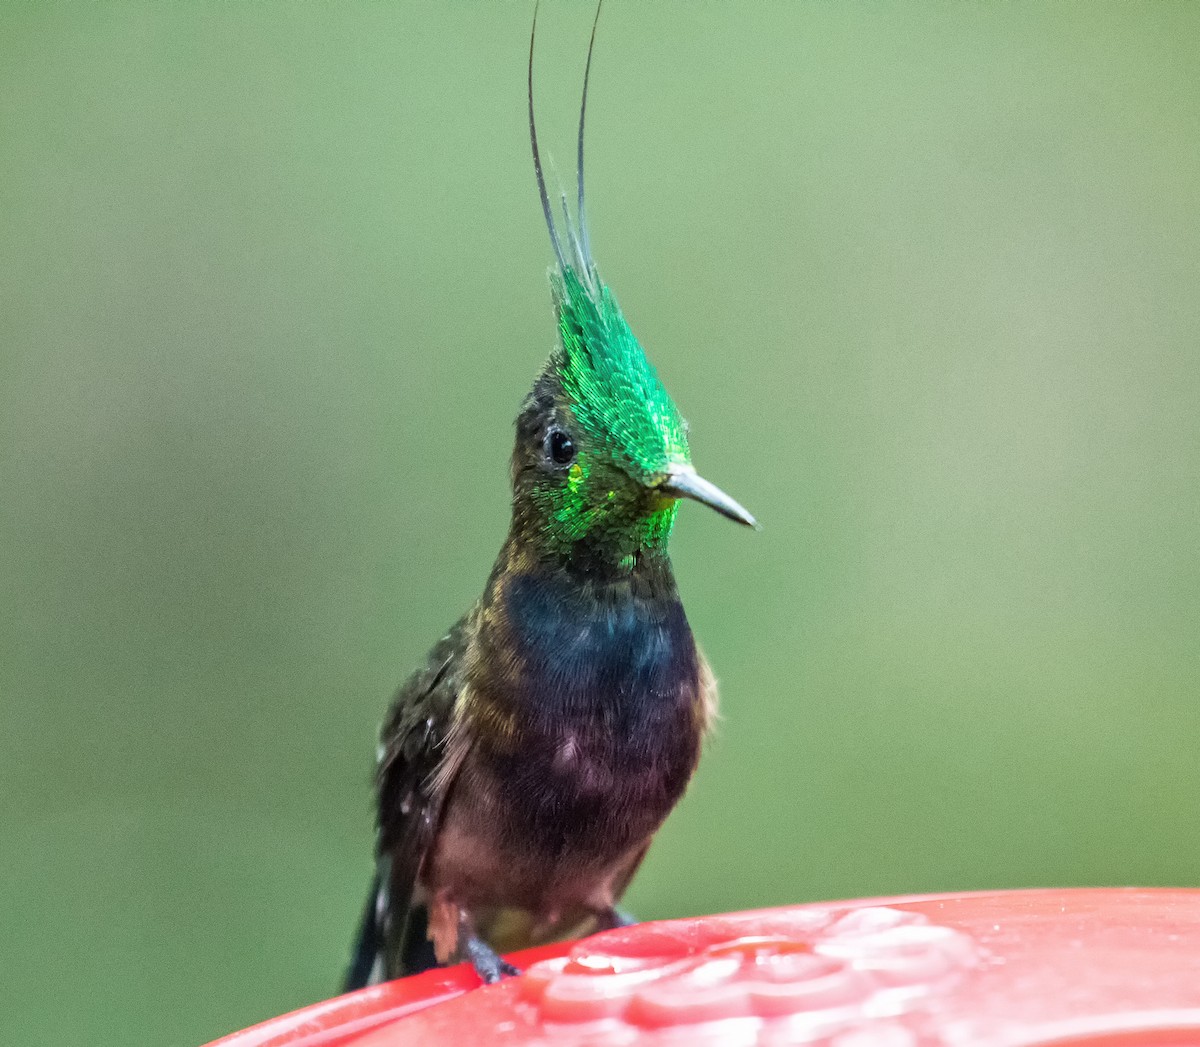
x: 613, y: 390
x: 629, y: 463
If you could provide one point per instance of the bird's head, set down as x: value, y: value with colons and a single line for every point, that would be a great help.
x: 602, y: 458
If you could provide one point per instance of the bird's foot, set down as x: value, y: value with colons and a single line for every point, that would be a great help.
x: 612, y: 918
x: 488, y: 964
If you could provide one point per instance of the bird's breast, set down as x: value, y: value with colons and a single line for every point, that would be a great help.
x: 603, y: 704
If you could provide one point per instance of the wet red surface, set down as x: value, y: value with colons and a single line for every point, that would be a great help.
x: 1070, y: 968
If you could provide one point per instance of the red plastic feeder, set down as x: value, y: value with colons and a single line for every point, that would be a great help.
x: 1069, y: 968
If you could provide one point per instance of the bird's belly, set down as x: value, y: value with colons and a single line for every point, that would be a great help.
x: 560, y: 828
x: 486, y: 876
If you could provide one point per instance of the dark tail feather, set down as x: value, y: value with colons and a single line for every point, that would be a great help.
x: 369, y: 943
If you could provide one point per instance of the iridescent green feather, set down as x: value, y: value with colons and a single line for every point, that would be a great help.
x: 613, y: 393
x: 613, y: 390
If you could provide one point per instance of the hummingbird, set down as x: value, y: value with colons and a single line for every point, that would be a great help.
x: 524, y: 769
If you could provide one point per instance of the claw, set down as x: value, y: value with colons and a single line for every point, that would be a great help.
x: 622, y: 918
x: 487, y: 962
x: 612, y: 918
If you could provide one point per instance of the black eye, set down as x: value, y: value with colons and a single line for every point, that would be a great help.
x: 560, y: 448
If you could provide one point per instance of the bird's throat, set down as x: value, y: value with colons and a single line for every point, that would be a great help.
x: 599, y: 550
x: 554, y: 650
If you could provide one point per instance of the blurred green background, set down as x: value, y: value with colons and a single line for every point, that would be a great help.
x: 924, y: 279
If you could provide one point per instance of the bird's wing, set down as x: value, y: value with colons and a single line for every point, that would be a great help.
x: 413, y: 745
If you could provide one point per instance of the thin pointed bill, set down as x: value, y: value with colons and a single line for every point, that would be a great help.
x: 685, y: 482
